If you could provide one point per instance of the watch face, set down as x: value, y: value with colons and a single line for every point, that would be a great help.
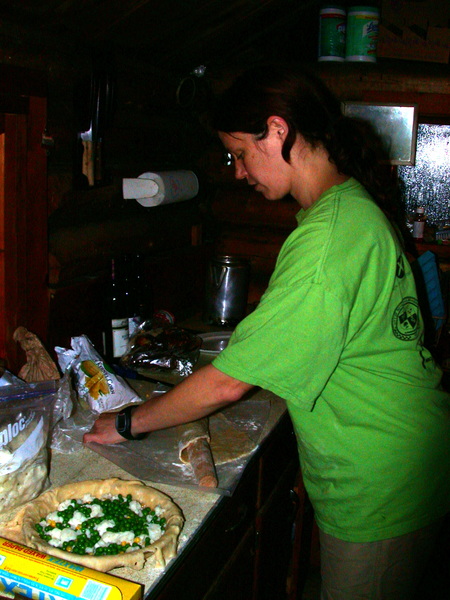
x: 120, y: 424
x: 123, y: 424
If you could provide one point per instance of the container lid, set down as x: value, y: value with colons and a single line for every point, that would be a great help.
x: 230, y: 259
x: 332, y: 7
x: 368, y: 9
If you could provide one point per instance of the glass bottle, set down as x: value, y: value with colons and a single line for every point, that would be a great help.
x: 142, y: 291
x: 130, y: 296
x: 419, y: 224
x: 116, y: 312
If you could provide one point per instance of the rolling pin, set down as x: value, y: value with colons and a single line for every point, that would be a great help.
x: 201, y: 460
x: 194, y: 449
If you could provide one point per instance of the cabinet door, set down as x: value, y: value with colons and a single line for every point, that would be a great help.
x: 274, y: 543
x: 212, y: 555
x: 235, y: 581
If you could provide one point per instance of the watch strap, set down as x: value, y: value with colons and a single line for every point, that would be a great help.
x: 123, y: 424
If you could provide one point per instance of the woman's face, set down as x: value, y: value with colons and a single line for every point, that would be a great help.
x: 260, y: 161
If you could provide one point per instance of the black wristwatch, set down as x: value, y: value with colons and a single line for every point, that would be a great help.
x: 123, y: 424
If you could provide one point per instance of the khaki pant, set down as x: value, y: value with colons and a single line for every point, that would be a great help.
x: 386, y: 570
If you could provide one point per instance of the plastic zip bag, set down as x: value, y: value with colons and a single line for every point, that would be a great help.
x: 26, y: 413
x: 7, y: 378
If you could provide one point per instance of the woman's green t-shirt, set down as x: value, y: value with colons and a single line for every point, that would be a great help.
x: 339, y: 335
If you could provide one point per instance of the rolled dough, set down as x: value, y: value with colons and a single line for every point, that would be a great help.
x: 228, y: 443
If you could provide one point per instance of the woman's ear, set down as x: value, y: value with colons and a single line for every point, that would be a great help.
x: 278, y: 126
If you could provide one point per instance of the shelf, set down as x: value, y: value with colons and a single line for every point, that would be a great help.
x: 398, y: 76
x: 442, y: 251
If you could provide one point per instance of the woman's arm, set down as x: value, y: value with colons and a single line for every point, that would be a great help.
x: 200, y: 394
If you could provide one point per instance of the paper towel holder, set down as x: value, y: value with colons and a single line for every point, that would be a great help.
x: 155, y: 188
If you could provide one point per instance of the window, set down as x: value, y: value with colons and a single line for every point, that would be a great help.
x: 427, y: 183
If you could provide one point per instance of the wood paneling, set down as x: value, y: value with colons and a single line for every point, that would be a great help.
x: 14, y: 240
x: 23, y: 214
x: 2, y: 250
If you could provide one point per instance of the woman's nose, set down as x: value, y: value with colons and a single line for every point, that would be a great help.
x: 239, y: 171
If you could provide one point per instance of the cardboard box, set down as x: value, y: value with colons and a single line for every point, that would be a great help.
x: 33, y: 574
x: 415, y: 30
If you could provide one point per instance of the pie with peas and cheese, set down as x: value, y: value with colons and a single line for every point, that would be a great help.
x: 101, y: 524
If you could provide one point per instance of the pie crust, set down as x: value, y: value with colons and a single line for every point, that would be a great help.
x: 21, y: 528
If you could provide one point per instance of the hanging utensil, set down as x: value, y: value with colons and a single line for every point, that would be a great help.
x: 97, y: 118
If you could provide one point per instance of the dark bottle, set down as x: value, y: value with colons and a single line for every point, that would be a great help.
x: 129, y: 292
x: 117, y: 314
x: 141, y: 296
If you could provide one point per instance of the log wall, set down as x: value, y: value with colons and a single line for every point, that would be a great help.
x: 150, y: 130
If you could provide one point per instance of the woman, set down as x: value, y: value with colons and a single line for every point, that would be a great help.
x: 338, y: 334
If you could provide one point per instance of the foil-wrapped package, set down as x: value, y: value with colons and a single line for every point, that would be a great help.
x: 167, y: 349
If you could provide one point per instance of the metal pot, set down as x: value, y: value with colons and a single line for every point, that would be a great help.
x: 227, y: 290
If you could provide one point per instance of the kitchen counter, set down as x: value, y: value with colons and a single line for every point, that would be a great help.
x: 199, y: 506
x: 87, y: 464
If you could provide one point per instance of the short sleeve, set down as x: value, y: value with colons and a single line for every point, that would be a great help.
x: 290, y: 344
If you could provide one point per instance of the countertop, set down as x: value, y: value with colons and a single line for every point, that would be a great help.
x: 196, y: 504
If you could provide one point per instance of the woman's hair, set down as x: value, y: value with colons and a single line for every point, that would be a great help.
x: 311, y: 110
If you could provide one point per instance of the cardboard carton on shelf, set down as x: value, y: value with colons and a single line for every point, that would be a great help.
x: 415, y: 30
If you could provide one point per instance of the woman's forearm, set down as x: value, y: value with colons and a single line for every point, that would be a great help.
x: 204, y: 392
x: 201, y: 394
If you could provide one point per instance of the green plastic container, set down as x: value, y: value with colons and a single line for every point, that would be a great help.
x: 362, y: 33
x: 332, y: 23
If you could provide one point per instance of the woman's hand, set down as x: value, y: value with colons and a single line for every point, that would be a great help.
x: 104, y: 431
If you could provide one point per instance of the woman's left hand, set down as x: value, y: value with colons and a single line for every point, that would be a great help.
x: 104, y: 431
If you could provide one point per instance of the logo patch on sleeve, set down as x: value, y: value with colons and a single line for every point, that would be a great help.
x: 405, y: 320
x: 400, y: 268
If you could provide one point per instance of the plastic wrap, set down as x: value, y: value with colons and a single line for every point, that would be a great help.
x: 157, y: 457
x: 94, y: 388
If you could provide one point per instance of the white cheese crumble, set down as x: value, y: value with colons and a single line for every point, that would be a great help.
x: 77, y: 525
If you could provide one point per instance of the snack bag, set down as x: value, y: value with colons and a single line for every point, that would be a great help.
x: 98, y: 387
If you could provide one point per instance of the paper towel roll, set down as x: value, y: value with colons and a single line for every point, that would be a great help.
x: 153, y: 189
